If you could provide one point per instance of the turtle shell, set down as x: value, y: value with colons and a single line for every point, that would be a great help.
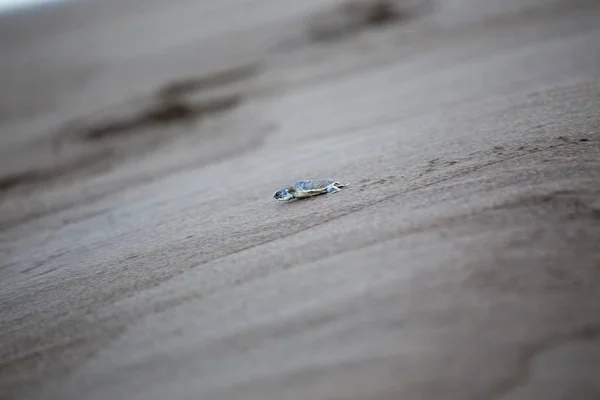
x: 311, y: 185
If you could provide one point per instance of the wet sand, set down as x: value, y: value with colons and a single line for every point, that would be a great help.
x: 144, y: 257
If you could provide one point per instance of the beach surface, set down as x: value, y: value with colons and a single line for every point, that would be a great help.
x: 143, y: 256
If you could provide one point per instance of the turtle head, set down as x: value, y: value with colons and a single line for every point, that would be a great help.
x: 285, y: 194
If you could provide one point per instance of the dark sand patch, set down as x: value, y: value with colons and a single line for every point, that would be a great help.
x: 190, y: 85
x: 353, y: 16
x: 135, y: 128
x: 161, y: 114
x: 76, y: 153
x: 30, y: 179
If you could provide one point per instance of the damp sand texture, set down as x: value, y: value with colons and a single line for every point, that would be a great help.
x: 142, y: 255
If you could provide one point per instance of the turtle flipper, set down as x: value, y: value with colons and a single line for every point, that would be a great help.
x: 333, y: 188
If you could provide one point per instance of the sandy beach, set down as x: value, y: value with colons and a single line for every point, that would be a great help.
x: 143, y: 256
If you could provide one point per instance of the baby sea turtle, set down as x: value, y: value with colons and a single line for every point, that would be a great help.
x: 309, y: 188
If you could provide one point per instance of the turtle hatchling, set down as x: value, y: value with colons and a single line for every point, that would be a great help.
x: 308, y: 188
